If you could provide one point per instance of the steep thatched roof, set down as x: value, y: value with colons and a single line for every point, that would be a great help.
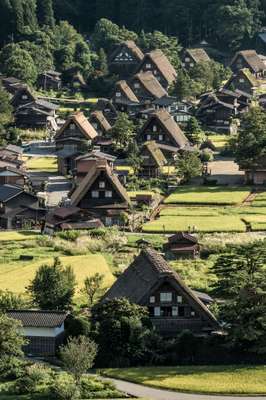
x: 159, y: 59
x: 99, y: 166
x: 145, y: 274
x: 132, y: 48
x: 155, y: 152
x: 252, y: 59
x: 151, y: 84
x: 100, y: 118
x: 126, y: 90
x: 82, y: 123
x: 199, y: 55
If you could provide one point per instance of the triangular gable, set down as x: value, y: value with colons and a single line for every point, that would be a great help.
x: 155, y: 153
x: 23, y: 92
x: 162, y: 63
x: 90, y: 178
x: 82, y: 124
x: 127, y: 51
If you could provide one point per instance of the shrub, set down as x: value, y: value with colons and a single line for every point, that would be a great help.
x: 64, y: 388
x: 35, y: 375
x: 98, y: 232
x: 91, y: 388
x: 69, y: 235
x: 11, y: 368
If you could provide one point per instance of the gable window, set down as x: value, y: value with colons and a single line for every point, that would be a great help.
x: 187, y: 59
x: 136, y: 85
x: 24, y: 97
x: 152, y: 299
x: 72, y: 126
x: 161, y: 137
x: 166, y: 297
x: 95, y: 125
x: 241, y: 80
x: 154, y: 128
x: 155, y: 72
x: 95, y: 194
x: 118, y: 94
x: 102, y: 185
x: 148, y: 66
x: 191, y: 64
x: 192, y: 313
x: 148, y: 137
x: 108, y: 194
x: 157, y: 311
x: 179, y: 299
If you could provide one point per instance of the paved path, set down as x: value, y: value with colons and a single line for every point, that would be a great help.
x: 157, y: 394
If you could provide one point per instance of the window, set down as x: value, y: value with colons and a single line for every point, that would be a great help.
x: 148, y: 66
x: 148, y: 137
x: 102, y: 185
x: 179, y: 299
x: 166, y: 297
x: 118, y: 94
x: 155, y: 72
x: 152, y: 299
x: 108, y: 221
x: 157, y: 311
x: 191, y: 64
x: 187, y: 59
x: 136, y: 85
x: 154, y: 128
x: 193, y: 313
x: 161, y: 137
x: 108, y: 194
x: 24, y: 97
x: 72, y: 126
x: 175, y: 311
x: 241, y: 80
x: 95, y: 194
x: 95, y: 125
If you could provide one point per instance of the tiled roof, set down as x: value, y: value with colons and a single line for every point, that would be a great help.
x: 38, y: 319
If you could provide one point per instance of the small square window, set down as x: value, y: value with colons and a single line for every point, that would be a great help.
x: 241, y: 80
x: 148, y: 66
x: 152, y: 299
x: 148, y: 137
x: 72, y: 126
x: 108, y: 194
x: 154, y: 128
x: 187, y: 59
x: 95, y: 194
x: 179, y: 299
x: 24, y: 97
x: 136, y: 85
x: 193, y: 313
x: 191, y: 64
x: 161, y: 138
x: 118, y: 94
x: 102, y: 185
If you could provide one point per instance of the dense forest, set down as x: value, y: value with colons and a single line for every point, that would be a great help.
x: 223, y: 23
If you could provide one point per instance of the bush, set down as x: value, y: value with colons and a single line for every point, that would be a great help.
x: 98, y: 232
x: 35, y: 375
x: 69, y: 235
x: 11, y: 368
x: 91, y: 388
x: 64, y: 388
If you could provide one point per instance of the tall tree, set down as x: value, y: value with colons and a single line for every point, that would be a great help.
x: 53, y: 286
x: 123, y: 131
x: 45, y: 12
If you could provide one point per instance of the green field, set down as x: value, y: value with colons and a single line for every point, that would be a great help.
x: 240, y: 380
x: 219, y: 141
x: 17, y: 235
x: 15, y: 276
x: 260, y: 200
x: 220, y: 223
x: 208, y: 195
x: 41, y: 163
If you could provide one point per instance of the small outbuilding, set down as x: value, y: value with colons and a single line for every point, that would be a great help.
x: 183, y: 245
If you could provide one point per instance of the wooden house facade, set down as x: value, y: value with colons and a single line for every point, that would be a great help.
x: 124, y: 98
x: 159, y: 65
x: 102, y: 194
x: 191, y: 57
x: 86, y: 162
x: 242, y: 80
x: 183, y: 245
x: 153, y: 160
x: 125, y: 59
x: 22, y: 97
x: 50, y: 80
x: 162, y: 128
x: 251, y: 60
x: 100, y: 124
x: 146, y: 87
x: 173, y: 307
x: 73, y: 139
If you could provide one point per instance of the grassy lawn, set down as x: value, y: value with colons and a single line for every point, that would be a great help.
x: 168, y: 224
x: 17, y: 235
x: 219, y: 141
x: 16, y: 276
x: 215, y: 195
x: 200, y: 379
x: 42, y: 164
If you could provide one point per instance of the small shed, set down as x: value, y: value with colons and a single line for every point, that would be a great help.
x: 183, y: 245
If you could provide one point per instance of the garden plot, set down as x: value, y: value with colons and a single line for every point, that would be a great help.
x: 208, y: 195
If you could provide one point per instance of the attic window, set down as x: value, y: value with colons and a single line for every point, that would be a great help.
x: 148, y: 66
x: 187, y: 59
x: 193, y: 313
x: 72, y: 126
x: 109, y: 194
x: 95, y: 125
x: 166, y: 297
x: 241, y: 80
x: 136, y: 85
x: 118, y: 94
x: 191, y: 64
x: 154, y: 128
x: 95, y: 194
x: 24, y: 97
x: 148, y: 137
x: 179, y: 299
x: 160, y: 138
x: 102, y: 185
x: 152, y: 299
